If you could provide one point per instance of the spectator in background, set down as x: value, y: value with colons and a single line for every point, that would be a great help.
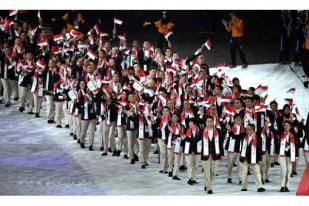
x: 236, y: 27
x: 285, y: 36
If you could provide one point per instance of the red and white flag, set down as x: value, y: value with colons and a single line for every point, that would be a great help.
x: 104, y: 34
x: 55, y: 50
x: 118, y: 21
x: 230, y: 110
x: 208, y: 44
x: 260, y: 89
x: 168, y: 34
x: 226, y: 99
x: 289, y: 101
x: 260, y: 108
x: 121, y: 37
x: 42, y: 43
x: 58, y: 37
x: 220, y: 66
x: 74, y: 33
x: 92, y: 54
x: 13, y: 12
x: 97, y: 29
x: 32, y: 31
x: 5, y: 24
x: 82, y: 46
x: 41, y: 64
x: 39, y: 14
x: 292, y: 90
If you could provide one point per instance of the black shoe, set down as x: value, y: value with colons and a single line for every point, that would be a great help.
x: 176, y: 178
x: 136, y: 158
x: 161, y: 171
x: 7, y: 105
x: 272, y: 165
x: 205, y: 188
x: 15, y: 99
x: 109, y: 150
x: 71, y: 134
x: 209, y: 192
x: 30, y: 113
x: 282, y: 189
x: 261, y: 189
x: 66, y: 126
x: 294, y: 172
x: 147, y: 164
x: 249, y: 173
x: 143, y: 167
x: 262, y: 182
x: 286, y: 189
x: 104, y: 154
x: 58, y: 126
x: 170, y: 174
x: 101, y: 148
x: 78, y: 141
x: 182, y: 168
x: 114, y: 153
x: 229, y: 180
x: 132, y: 162
x: 244, y: 190
x: 156, y: 152
x: 194, y: 182
x: 75, y: 137
x: 240, y: 182
x: 90, y: 148
x: 267, y: 181
x: 165, y: 172
x: 234, y: 165
x: 49, y: 121
x: 1, y: 102
x: 125, y: 157
x: 190, y: 182
x: 276, y: 163
x: 37, y: 115
x: 291, y: 175
x: 82, y: 145
x: 118, y: 153
x: 21, y: 109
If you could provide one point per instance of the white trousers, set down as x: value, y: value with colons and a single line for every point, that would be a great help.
x: 9, y: 87
x: 163, y: 155
x: 231, y: 159
x: 131, y: 135
x: 37, y: 102
x: 265, y: 165
x: 192, y: 164
x: 58, y: 112
x: 210, y: 167
x: 50, y: 107
x: 144, y: 148
x: 26, y: 96
x: 244, y: 174
x: 78, y: 124
x: 121, y: 141
x: 286, y: 170
x: 173, y: 159
x: 88, y: 125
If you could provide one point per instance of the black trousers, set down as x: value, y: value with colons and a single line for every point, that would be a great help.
x: 236, y: 44
x: 162, y: 42
x: 305, y: 61
x: 285, y: 47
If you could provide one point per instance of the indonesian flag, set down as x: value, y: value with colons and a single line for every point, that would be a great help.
x: 39, y: 14
x: 260, y: 108
x: 58, y: 37
x: 208, y: 44
x: 226, y: 99
x: 199, y: 82
x: 167, y: 34
x: 298, y: 114
x: 260, y: 89
x: 97, y: 30
x: 92, y: 54
x: 172, y: 69
x: 13, y: 12
x: 204, y: 103
x: 42, y: 43
x: 104, y: 34
x: 289, y: 101
x: 220, y: 66
x: 55, y: 50
x: 292, y: 90
x: 121, y: 37
x: 118, y: 21
x: 106, y: 81
x: 230, y: 110
x: 82, y: 46
x: 74, y: 33
x: 163, y: 122
x: 41, y: 64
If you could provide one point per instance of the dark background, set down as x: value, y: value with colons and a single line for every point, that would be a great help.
x: 192, y: 28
